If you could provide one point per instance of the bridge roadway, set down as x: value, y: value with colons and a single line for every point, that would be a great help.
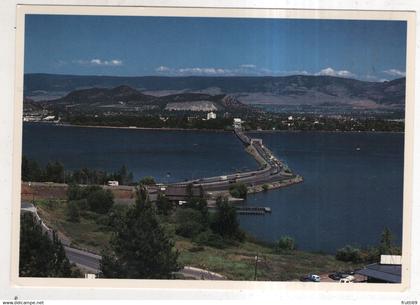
x: 274, y: 170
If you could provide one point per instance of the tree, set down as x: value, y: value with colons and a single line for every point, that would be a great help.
x: 31, y: 170
x: 199, y: 204
x: 385, y: 246
x: 73, y: 213
x: 74, y: 192
x: 238, y: 190
x: 225, y: 222
x: 100, y: 201
x: 148, y: 180
x: 349, y: 254
x: 189, y: 191
x: 189, y: 222
x: 285, y: 243
x: 40, y: 255
x: 163, y: 205
x: 123, y: 176
x: 54, y: 171
x: 139, y: 246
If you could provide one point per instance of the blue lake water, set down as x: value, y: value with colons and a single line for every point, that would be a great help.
x: 348, y: 196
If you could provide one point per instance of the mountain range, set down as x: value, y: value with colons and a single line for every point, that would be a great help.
x: 317, y: 91
x: 126, y: 99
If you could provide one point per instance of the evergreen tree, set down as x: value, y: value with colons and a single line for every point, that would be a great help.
x: 40, y: 255
x: 31, y: 171
x: 139, y: 246
x: 72, y: 211
x: 385, y: 246
x: 54, y: 172
x: 225, y: 222
x: 163, y: 205
x: 100, y: 200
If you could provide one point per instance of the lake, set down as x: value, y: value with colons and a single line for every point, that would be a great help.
x: 348, y: 195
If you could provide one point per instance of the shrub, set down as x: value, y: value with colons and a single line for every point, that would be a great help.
x: 265, y: 187
x: 189, y: 222
x: 285, y: 243
x: 238, y: 190
x: 349, y: 254
x: 74, y: 192
x: 103, y: 220
x: 148, y: 180
x: 72, y: 211
x: 100, y: 201
x: 208, y: 238
x: 163, y: 205
x: 225, y: 221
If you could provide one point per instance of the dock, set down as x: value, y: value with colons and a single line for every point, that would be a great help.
x: 253, y: 210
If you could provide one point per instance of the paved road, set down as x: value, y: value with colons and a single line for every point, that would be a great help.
x: 83, y: 259
x: 91, y: 262
x: 274, y: 171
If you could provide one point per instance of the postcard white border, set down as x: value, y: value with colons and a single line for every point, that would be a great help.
x: 216, y: 12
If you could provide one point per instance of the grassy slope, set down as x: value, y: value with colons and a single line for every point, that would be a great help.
x: 236, y: 262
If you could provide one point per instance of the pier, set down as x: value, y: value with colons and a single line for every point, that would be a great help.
x: 253, y: 210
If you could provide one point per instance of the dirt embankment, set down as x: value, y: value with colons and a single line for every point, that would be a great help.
x: 48, y: 190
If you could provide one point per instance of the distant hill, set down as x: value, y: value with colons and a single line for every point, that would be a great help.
x: 284, y: 90
x: 125, y: 98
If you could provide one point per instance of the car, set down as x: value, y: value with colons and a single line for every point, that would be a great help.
x: 310, y: 278
x: 305, y: 278
x: 348, y: 279
x: 315, y: 278
x: 336, y: 276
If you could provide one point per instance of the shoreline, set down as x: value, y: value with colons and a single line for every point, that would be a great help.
x: 210, y: 130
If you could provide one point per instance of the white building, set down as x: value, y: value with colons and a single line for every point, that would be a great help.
x: 113, y: 183
x: 237, y: 123
x: 211, y: 115
x: 49, y: 118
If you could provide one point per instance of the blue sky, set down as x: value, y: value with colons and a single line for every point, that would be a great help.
x: 173, y: 46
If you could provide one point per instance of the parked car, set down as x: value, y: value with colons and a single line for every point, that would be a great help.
x: 315, y: 278
x: 310, y: 278
x: 348, y: 279
x: 305, y: 278
x: 336, y: 276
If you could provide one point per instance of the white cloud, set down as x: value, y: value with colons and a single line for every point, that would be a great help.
x: 248, y: 66
x: 245, y: 70
x: 331, y: 72
x: 194, y: 71
x: 394, y: 72
x: 204, y: 71
x: 162, y: 69
x: 242, y: 70
x: 99, y: 62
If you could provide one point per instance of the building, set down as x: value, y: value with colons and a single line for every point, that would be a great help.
x: 211, y: 115
x: 387, y: 271
x: 113, y: 183
x: 237, y: 123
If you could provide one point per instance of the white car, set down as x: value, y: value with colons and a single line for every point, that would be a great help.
x: 314, y: 278
x: 348, y: 279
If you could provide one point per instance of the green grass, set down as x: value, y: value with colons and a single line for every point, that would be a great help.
x: 236, y: 261
x: 86, y: 234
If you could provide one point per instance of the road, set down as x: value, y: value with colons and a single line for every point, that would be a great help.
x: 91, y: 262
x: 273, y: 170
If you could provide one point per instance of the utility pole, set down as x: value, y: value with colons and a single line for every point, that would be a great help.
x: 256, y: 267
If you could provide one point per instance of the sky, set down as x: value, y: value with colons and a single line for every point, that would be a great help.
x: 180, y: 46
